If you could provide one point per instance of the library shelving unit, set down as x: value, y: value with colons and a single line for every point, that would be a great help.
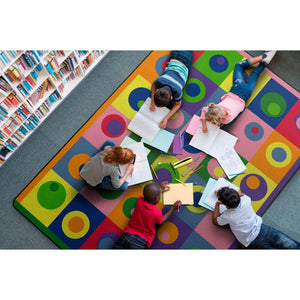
x: 32, y: 84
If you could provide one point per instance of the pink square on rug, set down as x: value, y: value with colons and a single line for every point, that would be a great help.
x: 111, y: 125
x: 220, y: 238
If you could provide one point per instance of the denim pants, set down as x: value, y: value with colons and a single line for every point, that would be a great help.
x: 186, y: 57
x: 106, y: 183
x: 130, y: 241
x: 240, y: 87
x: 271, y: 238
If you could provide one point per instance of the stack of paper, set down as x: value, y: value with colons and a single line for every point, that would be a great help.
x: 181, y: 192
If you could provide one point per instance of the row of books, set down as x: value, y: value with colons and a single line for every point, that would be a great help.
x: 4, y: 86
x: 6, y: 57
x: 11, y: 101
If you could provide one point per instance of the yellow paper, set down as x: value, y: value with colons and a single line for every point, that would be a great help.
x: 179, y: 192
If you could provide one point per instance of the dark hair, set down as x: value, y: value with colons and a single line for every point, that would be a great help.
x: 162, y: 96
x: 229, y: 197
x: 151, y: 192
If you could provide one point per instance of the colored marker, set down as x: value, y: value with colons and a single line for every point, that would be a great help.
x: 178, y: 206
x: 154, y: 172
x: 180, y: 181
x: 237, y: 174
x: 196, y: 170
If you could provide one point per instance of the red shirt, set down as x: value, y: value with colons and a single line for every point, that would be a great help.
x: 143, y: 220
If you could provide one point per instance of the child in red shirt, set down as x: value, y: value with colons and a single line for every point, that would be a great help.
x: 140, y: 231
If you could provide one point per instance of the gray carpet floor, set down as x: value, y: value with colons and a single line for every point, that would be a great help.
x: 16, y: 232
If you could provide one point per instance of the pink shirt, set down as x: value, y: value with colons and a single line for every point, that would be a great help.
x: 143, y: 220
x: 231, y: 103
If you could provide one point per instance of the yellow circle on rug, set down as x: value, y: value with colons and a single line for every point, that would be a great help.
x: 75, y: 224
x: 75, y: 162
x: 167, y: 233
x: 218, y: 171
x: 278, y: 155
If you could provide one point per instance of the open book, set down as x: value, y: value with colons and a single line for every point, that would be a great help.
x: 209, y: 199
x: 145, y: 122
x: 142, y: 170
x: 220, y: 145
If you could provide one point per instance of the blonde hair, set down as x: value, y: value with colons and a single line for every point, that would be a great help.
x: 118, y: 155
x: 214, y: 114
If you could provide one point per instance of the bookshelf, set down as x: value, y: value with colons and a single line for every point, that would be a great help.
x: 32, y: 84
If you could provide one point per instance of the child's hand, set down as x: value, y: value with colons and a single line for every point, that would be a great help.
x: 163, y: 124
x: 204, y: 129
x: 130, y: 169
x: 152, y: 107
x: 175, y: 205
x: 164, y: 186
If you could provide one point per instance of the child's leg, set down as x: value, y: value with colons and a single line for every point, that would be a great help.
x: 106, y: 184
x: 107, y: 143
x: 186, y: 57
x: 251, y: 82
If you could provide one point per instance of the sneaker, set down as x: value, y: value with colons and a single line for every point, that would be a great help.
x: 267, y: 56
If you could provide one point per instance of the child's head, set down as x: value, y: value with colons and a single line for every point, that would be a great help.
x: 229, y: 197
x: 152, y: 193
x: 162, y: 96
x: 214, y: 114
x: 118, y: 155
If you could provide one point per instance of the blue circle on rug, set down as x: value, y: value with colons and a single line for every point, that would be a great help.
x: 254, y: 131
x: 279, y: 154
x: 192, y: 89
x: 160, y: 63
x: 107, y: 240
x: 218, y: 63
x: 137, y: 97
x: 197, y: 196
x: 115, y: 127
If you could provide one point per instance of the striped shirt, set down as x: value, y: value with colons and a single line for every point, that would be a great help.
x: 174, y: 76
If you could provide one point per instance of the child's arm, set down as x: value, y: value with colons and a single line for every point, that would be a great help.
x: 164, y: 121
x: 216, y: 212
x: 204, y: 127
x: 153, y: 90
x: 169, y: 212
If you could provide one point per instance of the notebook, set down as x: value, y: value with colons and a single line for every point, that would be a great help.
x: 142, y: 170
x: 181, y: 192
x: 145, y: 123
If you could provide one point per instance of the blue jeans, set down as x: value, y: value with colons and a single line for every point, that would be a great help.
x: 130, y: 241
x: 240, y: 87
x: 106, y: 183
x: 271, y: 238
x: 186, y: 57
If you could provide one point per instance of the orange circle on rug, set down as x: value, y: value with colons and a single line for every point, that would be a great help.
x: 167, y: 233
x: 76, y: 224
x: 75, y: 162
x: 253, y: 182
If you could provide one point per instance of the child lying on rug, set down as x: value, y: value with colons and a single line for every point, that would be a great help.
x: 233, y: 103
x: 167, y: 89
x: 102, y: 170
x: 140, y: 231
x: 246, y: 226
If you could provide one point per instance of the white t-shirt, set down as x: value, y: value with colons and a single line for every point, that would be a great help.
x: 243, y: 221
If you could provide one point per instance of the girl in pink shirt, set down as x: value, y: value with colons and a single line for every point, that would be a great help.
x: 233, y: 103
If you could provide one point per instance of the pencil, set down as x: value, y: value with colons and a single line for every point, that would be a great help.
x: 180, y: 181
x: 154, y: 172
x: 196, y: 170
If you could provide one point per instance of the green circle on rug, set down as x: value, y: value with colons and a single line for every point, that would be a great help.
x: 110, y: 195
x: 128, y: 205
x: 198, y: 96
x: 273, y: 104
x: 51, y: 195
x: 140, y: 103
